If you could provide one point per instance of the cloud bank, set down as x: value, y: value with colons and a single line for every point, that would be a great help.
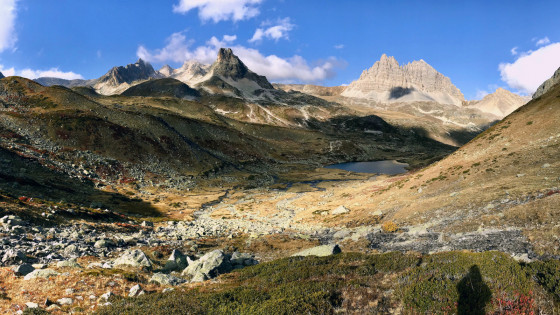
x: 8, y: 36
x: 532, y: 68
x: 278, y: 69
x: 34, y: 74
x: 220, y: 10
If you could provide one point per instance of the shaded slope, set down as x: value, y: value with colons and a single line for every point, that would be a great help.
x: 167, y: 87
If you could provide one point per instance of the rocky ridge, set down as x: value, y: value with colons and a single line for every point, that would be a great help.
x: 548, y: 84
x: 1, y: 75
x: 500, y: 103
x: 191, y: 72
x: 315, y: 90
x: 387, y: 81
x: 120, y: 78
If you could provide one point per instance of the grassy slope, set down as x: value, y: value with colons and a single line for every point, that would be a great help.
x: 354, y: 283
x: 507, y: 176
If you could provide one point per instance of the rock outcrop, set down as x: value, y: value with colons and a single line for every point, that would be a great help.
x: 166, y: 71
x: 120, y: 78
x: 323, y: 250
x: 500, y: 103
x: 229, y: 75
x: 387, y: 82
x: 315, y: 90
x: 548, y: 84
x: 191, y: 72
x: 208, y: 266
x: 134, y: 258
x: 1, y: 75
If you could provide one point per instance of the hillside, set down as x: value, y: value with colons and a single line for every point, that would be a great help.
x: 162, y: 87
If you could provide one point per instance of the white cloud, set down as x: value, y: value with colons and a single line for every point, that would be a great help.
x: 178, y: 49
x: 292, y: 69
x: 543, y: 41
x: 220, y: 10
x: 532, y: 68
x: 275, y: 32
x: 480, y: 94
x: 339, y: 46
x: 514, y: 51
x: 33, y: 74
x: 230, y: 38
x: 8, y: 36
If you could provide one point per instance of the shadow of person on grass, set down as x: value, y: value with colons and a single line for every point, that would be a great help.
x: 474, y: 294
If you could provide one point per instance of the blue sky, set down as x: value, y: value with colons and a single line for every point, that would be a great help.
x: 328, y: 42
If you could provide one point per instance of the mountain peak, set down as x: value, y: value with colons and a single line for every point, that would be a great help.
x: 166, y: 70
x: 502, y: 91
x: 226, y: 54
x: 387, y: 82
x: 139, y: 71
x: 390, y: 60
x: 1, y: 75
x: 500, y: 103
x: 228, y: 65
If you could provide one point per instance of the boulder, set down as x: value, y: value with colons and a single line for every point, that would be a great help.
x: 106, y: 296
x: 208, y: 266
x: 240, y: 260
x: 135, y: 291
x: 177, y: 261
x: 70, y: 263
x: 41, y: 273
x: 31, y: 305
x: 65, y: 301
x: 323, y: 250
x: 12, y: 257
x: 340, y: 210
x: 135, y: 258
x: 165, y: 279
x: 23, y: 269
x: 104, y: 243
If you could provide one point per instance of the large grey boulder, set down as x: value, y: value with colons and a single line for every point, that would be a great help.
x: 134, y: 258
x: 165, y: 279
x: 241, y: 260
x: 23, y: 269
x: 323, y: 250
x: 104, y: 243
x: 177, y: 261
x: 41, y: 273
x: 13, y: 256
x: 208, y: 266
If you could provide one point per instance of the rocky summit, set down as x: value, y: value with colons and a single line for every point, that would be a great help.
x: 548, y: 84
x: 387, y: 81
x: 118, y: 78
x: 500, y: 103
